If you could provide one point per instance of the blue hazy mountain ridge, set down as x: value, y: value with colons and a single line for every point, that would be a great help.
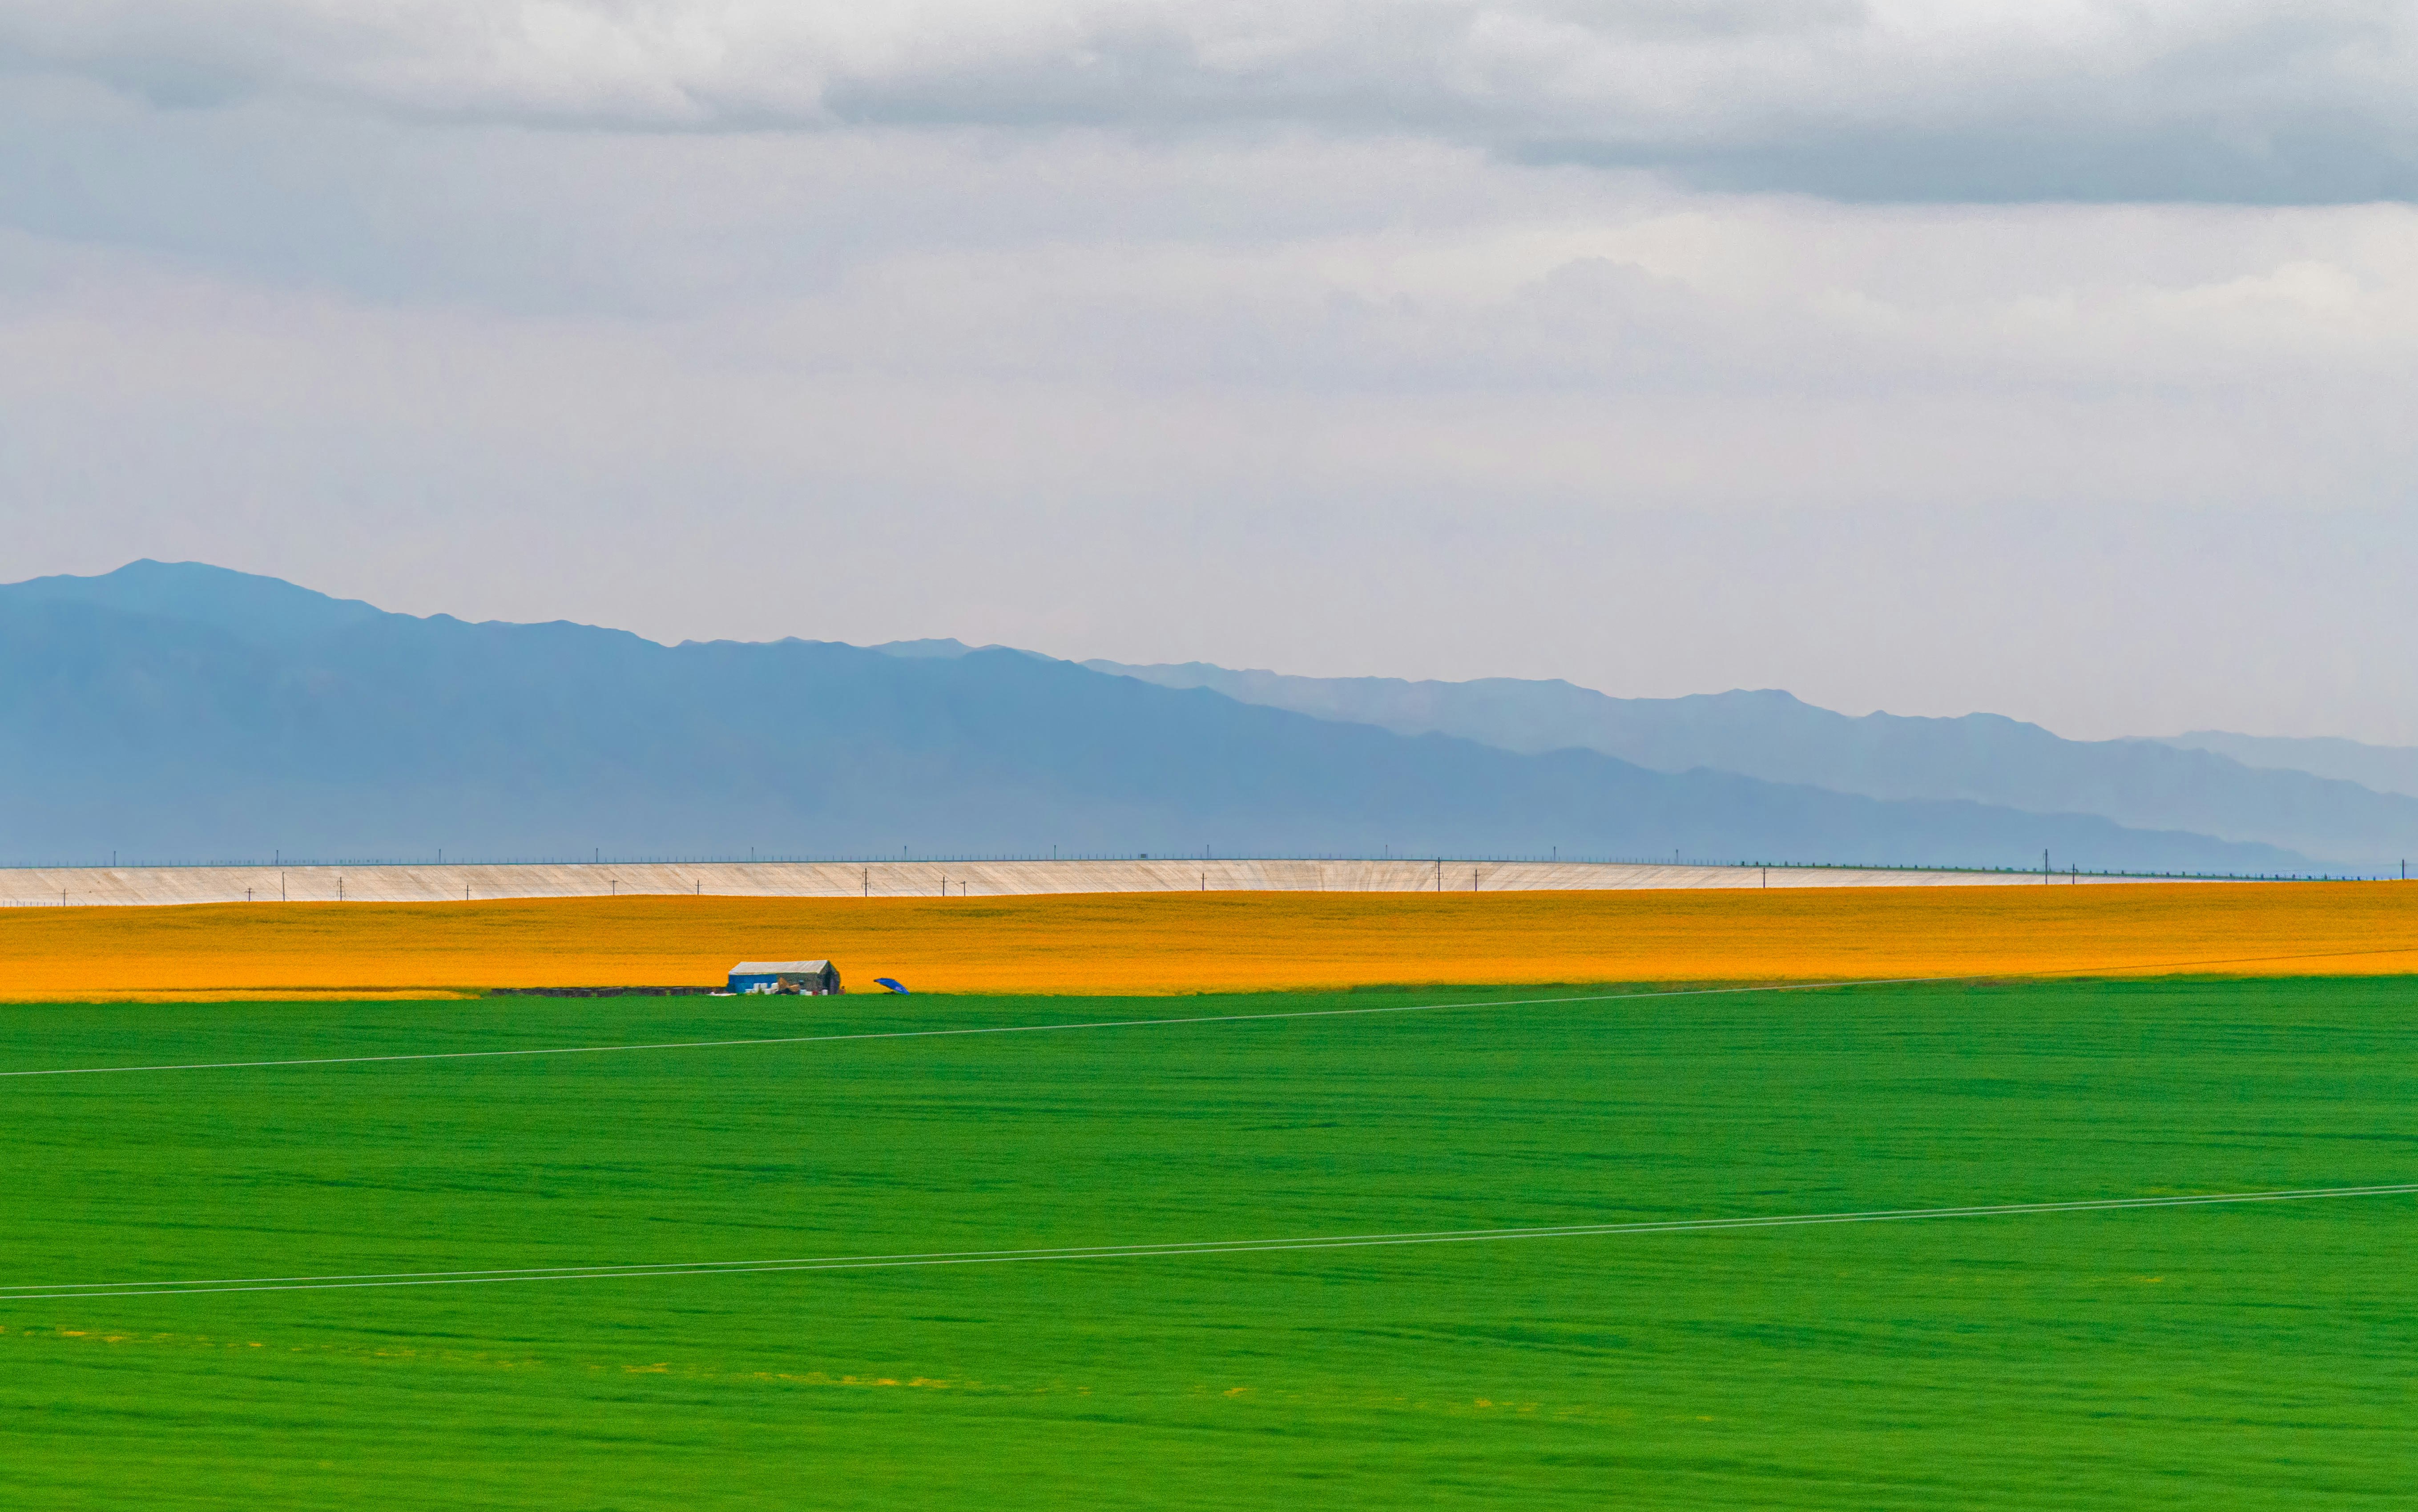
x: 1983, y: 758
x: 2387, y: 769
x: 179, y: 712
x: 253, y: 608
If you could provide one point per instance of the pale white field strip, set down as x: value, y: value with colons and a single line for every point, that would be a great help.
x: 1172, y: 1021
x: 1176, y: 1250
x: 405, y: 883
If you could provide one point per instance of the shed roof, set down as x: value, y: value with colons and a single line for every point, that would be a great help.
x: 777, y: 967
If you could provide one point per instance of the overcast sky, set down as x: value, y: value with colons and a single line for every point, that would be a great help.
x: 2053, y: 359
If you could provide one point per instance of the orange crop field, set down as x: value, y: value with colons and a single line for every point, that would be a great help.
x: 1140, y: 942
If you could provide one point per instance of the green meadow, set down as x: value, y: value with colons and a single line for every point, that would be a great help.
x: 2237, y: 1356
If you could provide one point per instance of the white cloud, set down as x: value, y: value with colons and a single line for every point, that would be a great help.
x: 2314, y: 101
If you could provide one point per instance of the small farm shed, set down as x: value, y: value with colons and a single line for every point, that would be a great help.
x: 813, y: 977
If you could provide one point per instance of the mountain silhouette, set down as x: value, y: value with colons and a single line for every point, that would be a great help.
x: 183, y: 711
x: 2205, y: 785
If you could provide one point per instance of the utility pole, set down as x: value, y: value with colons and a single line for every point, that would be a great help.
x: 2043, y: 865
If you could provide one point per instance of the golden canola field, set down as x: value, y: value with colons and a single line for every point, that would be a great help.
x: 1173, y: 942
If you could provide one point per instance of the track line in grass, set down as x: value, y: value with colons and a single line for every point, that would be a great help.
x: 1173, y: 1249
x: 1012, y: 1029
x: 1170, y: 1022
x: 943, y: 1033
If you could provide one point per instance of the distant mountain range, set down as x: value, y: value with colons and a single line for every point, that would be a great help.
x: 2387, y: 769
x: 2208, y: 784
x: 184, y: 712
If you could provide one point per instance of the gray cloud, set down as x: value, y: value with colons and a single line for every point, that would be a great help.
x: 1339, y: 339
x: 1327, y: 405
x: 2254, y: 100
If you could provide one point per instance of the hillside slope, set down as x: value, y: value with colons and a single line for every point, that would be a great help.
x: 2387, y: 769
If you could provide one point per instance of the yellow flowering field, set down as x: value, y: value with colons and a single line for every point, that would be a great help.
x: 1140, y: 942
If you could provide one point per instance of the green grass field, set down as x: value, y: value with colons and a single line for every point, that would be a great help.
x: 2225, y: 1357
